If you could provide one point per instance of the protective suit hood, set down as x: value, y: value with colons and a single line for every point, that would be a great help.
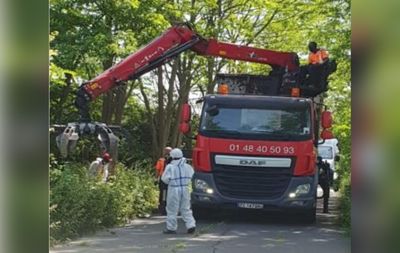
x: 179, y: 161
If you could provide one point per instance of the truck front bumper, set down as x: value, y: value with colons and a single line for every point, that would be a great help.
x: 289, y: 201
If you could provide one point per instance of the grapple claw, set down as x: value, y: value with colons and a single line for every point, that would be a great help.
x: 108, y: 140
x: 66, y: 141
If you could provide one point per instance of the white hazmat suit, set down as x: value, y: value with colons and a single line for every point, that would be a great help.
x: 97, y: 167
x: 178, y: 175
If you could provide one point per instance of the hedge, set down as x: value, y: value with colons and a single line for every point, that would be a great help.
x: 80, y: 205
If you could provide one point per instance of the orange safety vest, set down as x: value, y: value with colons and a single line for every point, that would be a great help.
x: 318, y: 57
x: 160, y: 165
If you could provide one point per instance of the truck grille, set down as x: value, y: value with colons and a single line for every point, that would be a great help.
x: 251, y: 182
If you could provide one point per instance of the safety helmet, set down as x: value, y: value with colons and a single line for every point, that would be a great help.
x: 106, y: 157
x: 176, y: 153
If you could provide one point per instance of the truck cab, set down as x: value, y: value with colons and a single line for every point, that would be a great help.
x: 256, y: 152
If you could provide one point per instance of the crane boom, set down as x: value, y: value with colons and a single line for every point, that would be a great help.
x: 142, y: 60
x: 168, y: 45
x: 172, y: 42
x: 212, y: 47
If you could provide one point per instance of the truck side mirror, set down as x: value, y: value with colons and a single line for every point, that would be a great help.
x: 185, y: 113
x: 184, y: 127
x: 326, y: 134
x: 326, y: 119
x: 337, y: 158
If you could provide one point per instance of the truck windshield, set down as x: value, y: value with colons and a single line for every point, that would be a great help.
x: 325, y: 152
x: 257, y: 123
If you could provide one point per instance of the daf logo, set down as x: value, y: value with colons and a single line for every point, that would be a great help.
x: 252, y: 162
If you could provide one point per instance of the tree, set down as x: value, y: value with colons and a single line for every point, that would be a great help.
x: 93, y: 36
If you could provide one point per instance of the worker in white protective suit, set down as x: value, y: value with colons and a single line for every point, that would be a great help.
x: 100, y: 167
x: 178, y: 175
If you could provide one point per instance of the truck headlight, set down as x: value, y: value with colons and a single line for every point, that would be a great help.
x: 302, y: 189
x: 202, y: 186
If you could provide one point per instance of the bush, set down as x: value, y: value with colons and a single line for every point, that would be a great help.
x: 79, y: 204
x: 345, y: 203
x: 343, y: 134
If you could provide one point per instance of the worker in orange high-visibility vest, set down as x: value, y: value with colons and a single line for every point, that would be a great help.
x: 314, y: 70
x: 317, y: 55
x: 160, y: 166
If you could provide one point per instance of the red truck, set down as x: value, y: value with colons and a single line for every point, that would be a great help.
x: 256, y: 143
x: 257, y: 149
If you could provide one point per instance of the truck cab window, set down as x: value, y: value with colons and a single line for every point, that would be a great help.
x: 259, y: 122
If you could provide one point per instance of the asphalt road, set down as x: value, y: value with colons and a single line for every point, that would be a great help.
x: 229, y: 232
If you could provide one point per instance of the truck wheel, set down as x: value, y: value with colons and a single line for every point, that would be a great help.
x: 309, y: 216
x: 199, y: 212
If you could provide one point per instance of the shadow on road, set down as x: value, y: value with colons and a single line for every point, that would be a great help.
x: 225, y: 232
x: 273, y: 218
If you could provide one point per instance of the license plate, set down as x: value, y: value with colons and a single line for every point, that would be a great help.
x: 250, y: 205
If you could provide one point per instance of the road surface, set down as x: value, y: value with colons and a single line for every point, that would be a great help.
x: 232, y: 232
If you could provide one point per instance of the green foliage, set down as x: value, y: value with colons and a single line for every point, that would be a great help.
x: 135, y: 143
x: 339, y: 103
x: 345, y: 203
x: 79, y: 204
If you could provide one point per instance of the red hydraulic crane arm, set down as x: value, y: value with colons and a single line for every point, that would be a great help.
x: 172, y: 42
x: 213, y: 47
x: 140, y: 61
x: 181, y: 38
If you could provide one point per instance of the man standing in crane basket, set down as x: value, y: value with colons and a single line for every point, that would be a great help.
x: 316, y: 58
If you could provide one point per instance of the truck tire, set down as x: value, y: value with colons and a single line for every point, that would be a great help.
x: 200, y: 213
x: 310, y: 216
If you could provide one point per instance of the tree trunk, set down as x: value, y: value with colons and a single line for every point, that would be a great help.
x: 119, y: 104
x: 169, y: 110
x: 160, y: 112
x: 121, y: 101
x: 149, y: 115
x: 106, y: 113
x: 210, y: 75
x: 108, y: 97
x: 183, y: 98
x: 185, y: 81
x: 64, y: 96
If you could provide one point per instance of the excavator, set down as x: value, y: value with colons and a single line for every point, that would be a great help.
x: 177, y: 39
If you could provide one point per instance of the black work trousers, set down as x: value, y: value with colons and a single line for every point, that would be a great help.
x: 162, y: 198
x: 324, y: 183
x: 311, y: 75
